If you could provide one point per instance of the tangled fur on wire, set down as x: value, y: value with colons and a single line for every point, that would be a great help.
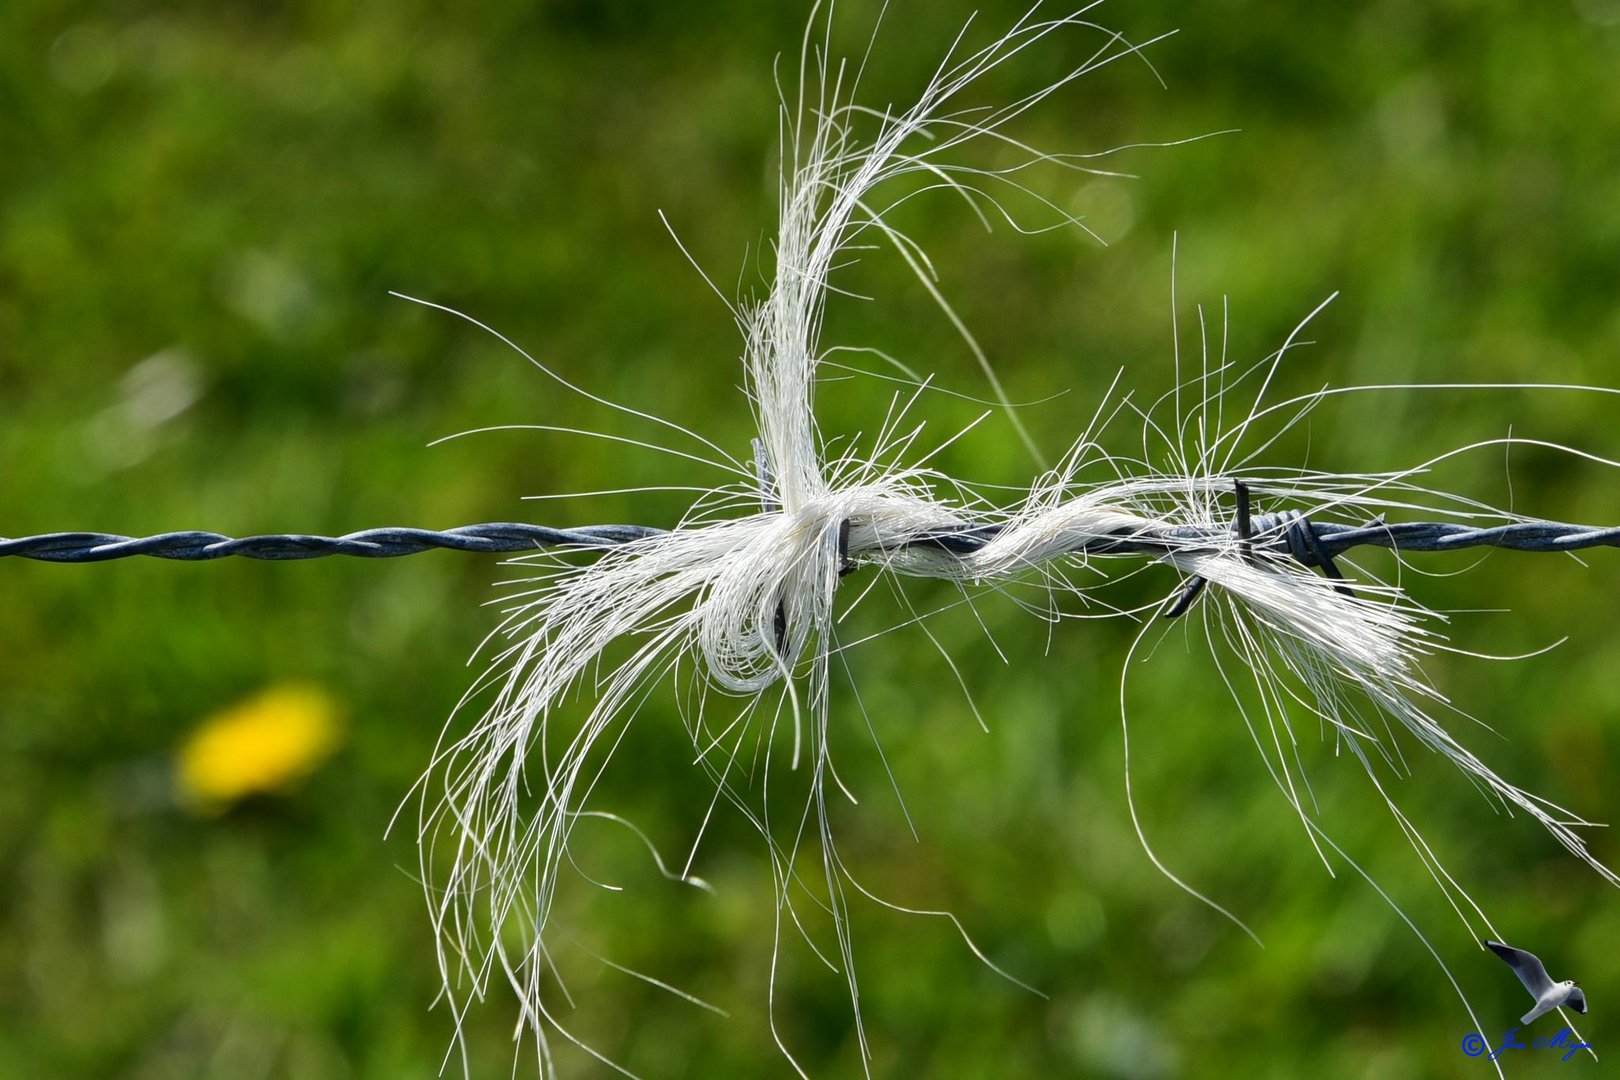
x: 747, y: 585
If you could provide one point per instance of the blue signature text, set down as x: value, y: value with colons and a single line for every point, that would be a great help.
x: 1474, y: 1044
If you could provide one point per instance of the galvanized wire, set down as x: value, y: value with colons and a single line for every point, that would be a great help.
x: 387, y: 543
x: 1311, y: 543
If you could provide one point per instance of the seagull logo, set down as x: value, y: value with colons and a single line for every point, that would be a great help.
x: 1532, y: 972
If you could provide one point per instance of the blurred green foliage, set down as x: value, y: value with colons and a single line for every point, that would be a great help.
x: 202, y: 208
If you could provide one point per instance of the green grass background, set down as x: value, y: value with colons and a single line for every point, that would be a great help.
x: 237, y: 187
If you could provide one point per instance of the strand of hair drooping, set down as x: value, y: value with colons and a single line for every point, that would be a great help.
x: 742, y: 594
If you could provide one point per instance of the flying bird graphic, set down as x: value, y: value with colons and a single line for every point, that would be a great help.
x: 1532, y: 972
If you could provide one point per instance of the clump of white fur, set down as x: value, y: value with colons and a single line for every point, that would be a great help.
x: 751, y: 595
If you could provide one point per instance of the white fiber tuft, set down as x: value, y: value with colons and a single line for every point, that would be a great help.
x: 746, y: 586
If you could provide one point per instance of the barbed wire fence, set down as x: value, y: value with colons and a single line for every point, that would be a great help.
x: 1290, y: 533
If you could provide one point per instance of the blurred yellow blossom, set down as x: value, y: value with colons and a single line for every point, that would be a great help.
x: 262, y: 744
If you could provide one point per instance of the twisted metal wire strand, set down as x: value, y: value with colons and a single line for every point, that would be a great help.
x: 1289, y: 533
x: 386, y: 543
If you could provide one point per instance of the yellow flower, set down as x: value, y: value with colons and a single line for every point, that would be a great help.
x: 262, y: 744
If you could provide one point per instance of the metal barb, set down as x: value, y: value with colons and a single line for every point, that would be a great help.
x: 1305, y: 545
x: 1186, y: 598
x: 1245, y: 516
x: 846, y: 565
x: 1244, y: 523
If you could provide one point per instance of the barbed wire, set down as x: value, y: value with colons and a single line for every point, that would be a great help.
x: 1289, y: 533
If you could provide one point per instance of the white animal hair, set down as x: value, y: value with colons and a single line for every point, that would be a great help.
x: 750, y: 593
